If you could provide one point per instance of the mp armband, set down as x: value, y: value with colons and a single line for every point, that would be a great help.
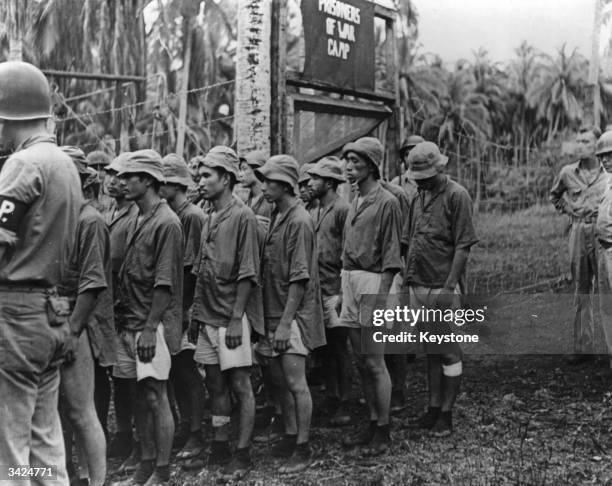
x: 11, y: 213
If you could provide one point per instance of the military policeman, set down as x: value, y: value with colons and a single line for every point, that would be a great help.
x: 40, y: 200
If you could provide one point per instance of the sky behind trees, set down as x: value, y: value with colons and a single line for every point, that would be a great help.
x: 453, y: 29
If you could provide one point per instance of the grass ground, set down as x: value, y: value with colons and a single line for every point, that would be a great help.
x: 517, y: 250
x: 522, y: 418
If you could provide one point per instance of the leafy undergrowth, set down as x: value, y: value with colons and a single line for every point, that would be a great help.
x: 521, y: 420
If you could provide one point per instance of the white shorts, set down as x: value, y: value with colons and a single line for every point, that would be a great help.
x: 265, y: 347
x: 212, y: 350
x: 128, y: 364
x: 330, y: 314
x: 355, y: 284
x: 186, y: 345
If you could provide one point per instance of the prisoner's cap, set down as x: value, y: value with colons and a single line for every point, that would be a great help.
x: 283, y: 168
x: 328, y: 168
x: 78, y: 158
x: 145, y: 161
x: 117, y: 164
x: 424, y: 161
x: 256, y: 158
x: 304, y: 175
x: 411, y: 142
x: 368, y: 147
x: 176, y: 171
x: 98, y: 158
x: 222, y: 157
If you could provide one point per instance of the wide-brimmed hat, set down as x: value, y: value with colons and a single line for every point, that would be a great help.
x: 117, y: 163
x: 224, y: 158
x: 98, y: 158
x: 283, y: 168
x: 78, y: 158
x: 145, y: 161
x: 176, y: 171
x: 328, y: 168
x: 304, y: 175
x: 368, y: 147
x: 256, y: 158
x: 410, y: 142
x: 424, y: 161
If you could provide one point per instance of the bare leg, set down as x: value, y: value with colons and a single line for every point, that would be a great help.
x: 77, y: 391
x: 241, y: 385
x: 294, y: 370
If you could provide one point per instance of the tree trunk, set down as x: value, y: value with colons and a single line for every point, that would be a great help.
x: 15, y: 29
x: 253, y: 81
x: 182, y: 120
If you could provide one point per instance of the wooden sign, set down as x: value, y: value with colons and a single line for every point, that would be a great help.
x: 339, y: 42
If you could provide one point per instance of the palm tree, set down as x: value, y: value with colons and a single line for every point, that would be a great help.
x: 522, y: 116
x: 557, y: 94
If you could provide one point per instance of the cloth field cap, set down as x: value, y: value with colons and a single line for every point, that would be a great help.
x: 304, y: 175
x: 411, y: 142
x: 117, y: 162
x: 145, y: 161
x: 78, y: 158
x: 424, y: 161
x: 369, y: 148
x: 283, y: 168
x: 176, y: 171
x: 224, y: 158
x: 256, y: 158
x: 97, y: 157
x: 328, y: 168
x: 91, y: 178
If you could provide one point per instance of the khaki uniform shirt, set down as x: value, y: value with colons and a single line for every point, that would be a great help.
x: 118, y: 222
x: 372, y: 233
x: 42, y: 177
x: 329, y: 226
x: 435, y: 229
x: 229, y: 252
x: 574, y: 194
x: 153, y: 258
x: 90, y: 269
x: 290, y: 255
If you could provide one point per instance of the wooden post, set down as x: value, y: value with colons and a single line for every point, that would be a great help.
x: 278, y: 61
x: 182, y: 120
x: 253, y: 81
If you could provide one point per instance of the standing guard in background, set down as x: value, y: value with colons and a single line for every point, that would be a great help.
x: 40, y: 200
x: 577, y: 191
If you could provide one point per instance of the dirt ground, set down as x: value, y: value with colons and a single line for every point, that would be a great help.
x: 523, y: 418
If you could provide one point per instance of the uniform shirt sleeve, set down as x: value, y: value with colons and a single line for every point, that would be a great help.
x: 391, y: 226
x: 21, y: 184
x: 248, y: 248
x: 195, y: 268
x: 21, y: 181
x: 462, y: 224
x: 93, y: 240
x: 192, y: 232
x: 300, y: 244
x: 557, y: 191
x: 169, y: 255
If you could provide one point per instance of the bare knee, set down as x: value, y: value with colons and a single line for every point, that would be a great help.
x: 375, y: 366
x: 241, y: 385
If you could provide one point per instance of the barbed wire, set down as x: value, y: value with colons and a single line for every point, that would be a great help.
x: 142, y: 103
x: 210, y: 122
